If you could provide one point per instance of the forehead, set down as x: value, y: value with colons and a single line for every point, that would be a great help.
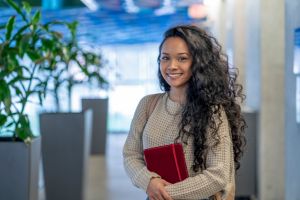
x: 174, y: 45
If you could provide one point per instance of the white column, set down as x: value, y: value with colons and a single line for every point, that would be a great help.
x: 272, y: 134
x: 239, y: 38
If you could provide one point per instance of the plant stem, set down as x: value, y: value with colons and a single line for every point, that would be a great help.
x: 70, y: 96
x: 57, y: 105
x: 24, y: 102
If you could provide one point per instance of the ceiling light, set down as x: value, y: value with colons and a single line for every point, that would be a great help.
x: 131, y: 7
x: 197, y: 11
x: 91, y: 4
x: 167, y: 8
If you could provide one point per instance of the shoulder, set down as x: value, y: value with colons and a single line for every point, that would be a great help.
x: 221, y: 122
x: 150, y: 97
x: 219, y: 112
x: 146, y: 100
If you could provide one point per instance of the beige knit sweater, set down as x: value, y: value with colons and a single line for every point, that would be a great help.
x: 162, y: 128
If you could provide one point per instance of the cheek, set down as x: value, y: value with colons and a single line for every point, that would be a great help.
x: 162, y: 69
x: 189, y: 72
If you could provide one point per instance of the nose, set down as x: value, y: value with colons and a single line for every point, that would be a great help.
x: 173, y: 64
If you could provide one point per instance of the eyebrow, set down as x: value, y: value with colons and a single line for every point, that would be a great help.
x: 177, y: 54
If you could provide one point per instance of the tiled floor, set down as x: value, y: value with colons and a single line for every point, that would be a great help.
x: 106, y: 176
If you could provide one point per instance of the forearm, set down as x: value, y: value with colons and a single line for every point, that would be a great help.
x: 137, y: 171
x: 201, y: 186
x: 212, y: 180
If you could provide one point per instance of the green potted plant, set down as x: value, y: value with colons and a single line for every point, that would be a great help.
x: 89, y: 66
x: 75, y: 62
x: 65, y: 159
x: 25, y: 52
x: 74, y: 65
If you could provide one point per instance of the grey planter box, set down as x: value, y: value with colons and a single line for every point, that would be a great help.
x: 246, y: 177
x: 19, y: 170
x: 65, y: 152
x: 99, y: 128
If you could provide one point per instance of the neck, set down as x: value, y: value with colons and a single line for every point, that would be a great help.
x: 178, y: 95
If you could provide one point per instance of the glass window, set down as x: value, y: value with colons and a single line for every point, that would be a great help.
x: 135, y: 76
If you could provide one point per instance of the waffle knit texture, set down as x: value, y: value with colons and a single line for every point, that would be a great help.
x: 161, y: 128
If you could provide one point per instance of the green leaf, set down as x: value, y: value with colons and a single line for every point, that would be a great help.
x: 20, y: 31
x: 47, y: 43
x: 73, y: 28
x: 2, y: 74
x: 24, y: 44
x: 17, y: 8
x: 56, y: 34
x: 7, y: 104
x: 4, y: 92
x: 23, y: 131
x: 3, y: 119
x: 14, y: 80
x: 20, y: 71
x: 9, y: 27
x: 101, y: 80
x: 12, y: 62
x: 1, y: 53
x: 26, y: 7
x: 33, y: 55
x: 36, y: 18
x: 3, y: 50
x: 55, y: 22
x: 18, y: 91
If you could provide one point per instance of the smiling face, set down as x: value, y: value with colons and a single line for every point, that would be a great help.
x: 175, y: 63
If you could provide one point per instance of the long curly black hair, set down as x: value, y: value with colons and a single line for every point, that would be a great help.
x: 211, y: 88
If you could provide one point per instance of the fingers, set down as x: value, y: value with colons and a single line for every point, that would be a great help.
x: 160, y: 195
x: 157, y: 194
x: 156, y: 189
x: 164, y: 192
x: 166, y: 196
x: 156, y: 197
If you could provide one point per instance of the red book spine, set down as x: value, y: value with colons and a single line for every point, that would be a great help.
x: 176, y: 162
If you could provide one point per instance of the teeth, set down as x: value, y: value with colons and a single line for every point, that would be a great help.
x: 175, y: 75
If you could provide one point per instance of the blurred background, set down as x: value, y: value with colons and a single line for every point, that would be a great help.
x: 261, y: 39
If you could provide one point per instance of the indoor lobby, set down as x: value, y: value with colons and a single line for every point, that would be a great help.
x: 82, y: 66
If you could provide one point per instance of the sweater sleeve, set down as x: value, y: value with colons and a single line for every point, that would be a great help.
x: 133, y: 156
x: 217, y: 174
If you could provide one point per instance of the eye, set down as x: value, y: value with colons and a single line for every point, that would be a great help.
x: 164, y: 58
x: 182, y: 59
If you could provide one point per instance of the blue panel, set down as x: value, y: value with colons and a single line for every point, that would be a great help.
x: 297, y: 51
x: 108, y: 27
x: 53, y: 4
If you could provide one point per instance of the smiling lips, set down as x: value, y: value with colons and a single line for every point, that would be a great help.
x: 174, y: 75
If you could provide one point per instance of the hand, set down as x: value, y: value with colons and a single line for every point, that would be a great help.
x: 156, y: 189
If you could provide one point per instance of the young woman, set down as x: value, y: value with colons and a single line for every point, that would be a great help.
x: 199, y: 108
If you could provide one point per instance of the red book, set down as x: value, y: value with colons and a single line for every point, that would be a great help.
x: 168, y: 161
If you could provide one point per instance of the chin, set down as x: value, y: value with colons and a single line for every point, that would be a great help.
x: 178, y: 86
